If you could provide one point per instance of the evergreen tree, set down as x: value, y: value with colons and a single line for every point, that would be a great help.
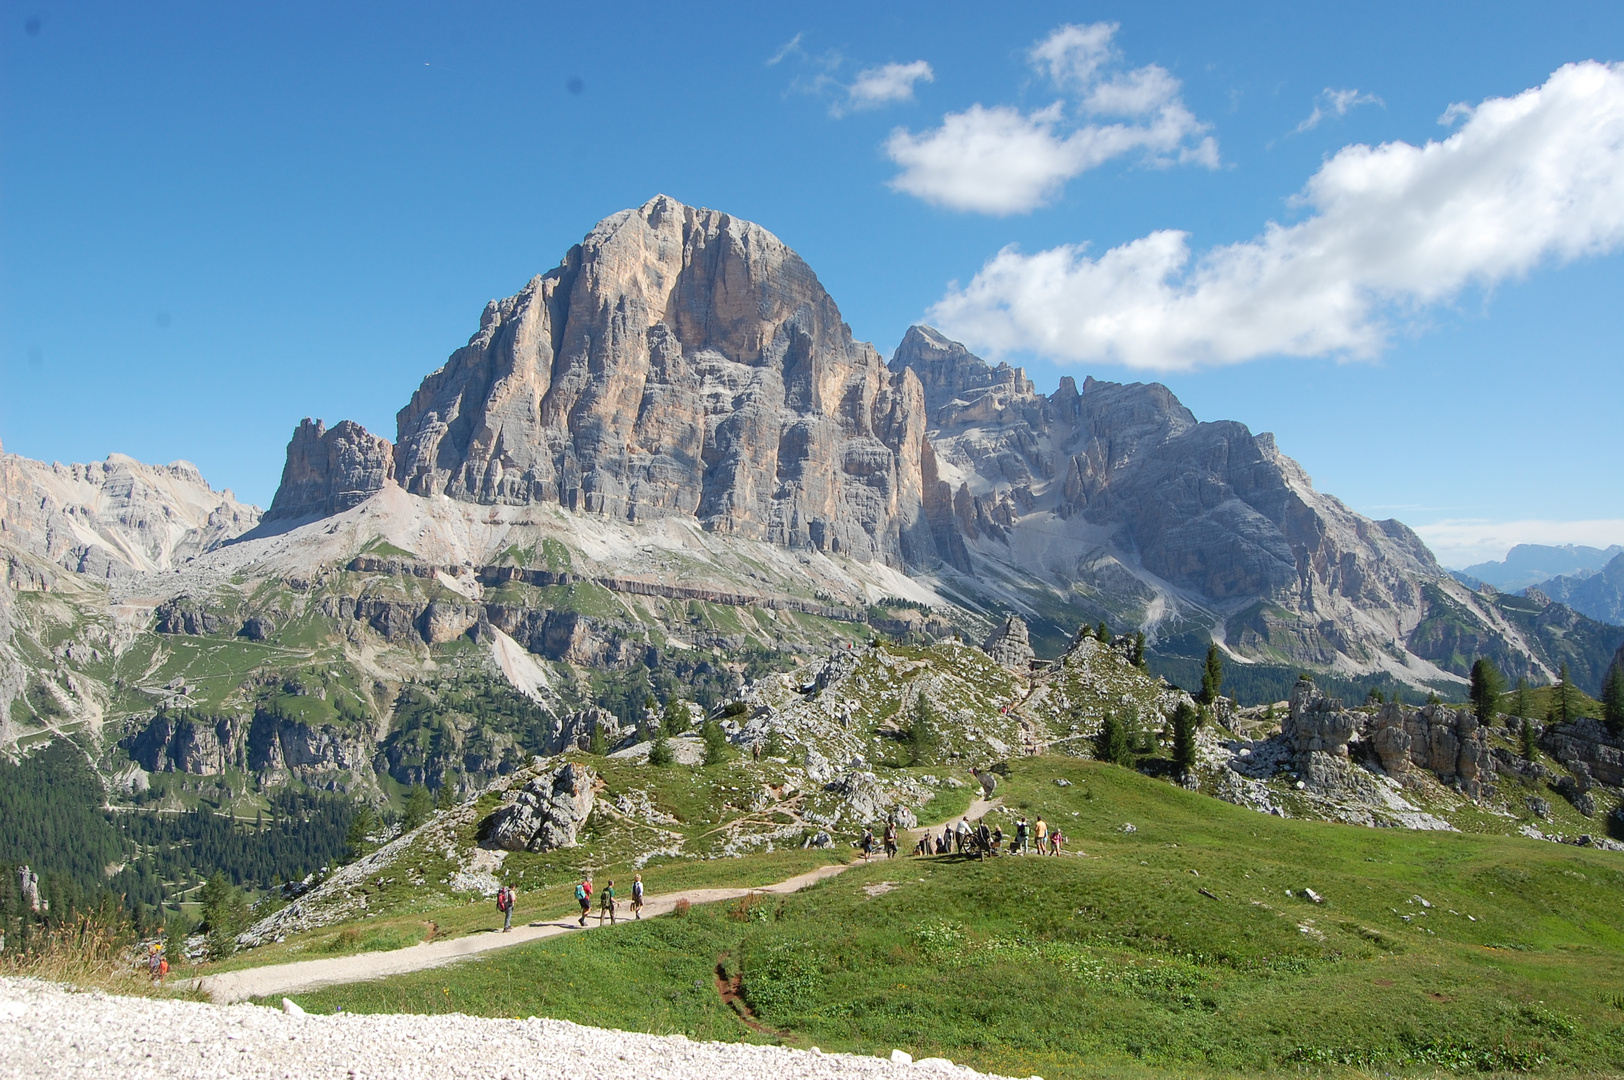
x: 362, y: 825
x: 1111, y: 744
x: 1374, y: 696
x: 1185, y: 719
x: 1212, y: 675
x: 773, y: 744
x: 716, y: 750
x: 1103, y: 632
x: 677, y: 717
x: 1528, y: 741
x: 1522, y: 703
x: 225, y: 914
x: 419, y: 805
x: 660, y: 753
x: 1484, y: 689
x: 445, y: 798
x: 922, y: 735
x: 1612, y: 699
x: 1138, y: 656
x: 594, y: 741
x: 1564, y: 695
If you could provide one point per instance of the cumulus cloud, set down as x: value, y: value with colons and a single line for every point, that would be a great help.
x: 1463, y: 542
x: 1528, y: 179
x: 886, y: 84
x: 1339, y: 102
x: 1001, y: 160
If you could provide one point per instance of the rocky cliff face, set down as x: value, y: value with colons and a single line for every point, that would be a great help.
x: 1121, y: 489
x: 329, y: 471
x: 115, y: 516
x: 680, y: 361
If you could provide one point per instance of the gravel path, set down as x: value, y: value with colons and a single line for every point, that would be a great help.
x: 48, y: 1031
x: 277, y: 979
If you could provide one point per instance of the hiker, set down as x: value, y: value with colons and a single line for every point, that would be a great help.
x: 155, y: 963
x: 1056, y: 838
x: 583, y: 896
x: 963, y: 834
x: 1019, y: 846
x: 1040, y: 830
x: 997, y: 841
x: 890, y: 839
x: 923, y: 847
x: 867, y: 843
x: 606, y: 905
x: 945, y: 846
x: 504, y: 904
x: 637, y: 895
x: 984, y: 839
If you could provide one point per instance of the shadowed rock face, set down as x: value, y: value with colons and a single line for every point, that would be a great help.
x: 680, y: 361
x: 330, y: 470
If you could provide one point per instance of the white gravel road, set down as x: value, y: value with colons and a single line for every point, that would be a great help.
x: 49, y: 1031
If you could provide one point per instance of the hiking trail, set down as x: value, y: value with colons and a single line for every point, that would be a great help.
x: 302, y: 976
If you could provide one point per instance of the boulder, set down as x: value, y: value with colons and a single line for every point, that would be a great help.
x: 546, y: 813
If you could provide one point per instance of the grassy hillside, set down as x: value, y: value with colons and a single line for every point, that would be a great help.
x: 1115, y: 960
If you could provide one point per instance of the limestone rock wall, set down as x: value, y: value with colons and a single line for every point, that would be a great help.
x: 680, y: 361
x: 330, y: 470
x: 544, y: 814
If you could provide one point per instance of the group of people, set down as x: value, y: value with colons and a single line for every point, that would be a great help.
x: 1030, y: 838
x: 1034, y: 837
x: 507, y: 896
x: 606, y: 899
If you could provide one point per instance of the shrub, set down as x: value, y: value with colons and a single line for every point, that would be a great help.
x: 660, y: 753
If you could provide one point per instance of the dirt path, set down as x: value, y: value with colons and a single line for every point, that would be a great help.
x: 306, y: 975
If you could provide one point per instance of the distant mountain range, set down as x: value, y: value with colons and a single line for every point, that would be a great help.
x: 1534, y: 564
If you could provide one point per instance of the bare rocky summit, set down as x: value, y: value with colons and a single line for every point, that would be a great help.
x: 329, y: 471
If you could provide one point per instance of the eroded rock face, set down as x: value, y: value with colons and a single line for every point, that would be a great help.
x: 680, y: 361
x: 1010, y: 645
x: 1316, y: 723
x: 115, y: 516
x: 181, y: 744
x: 545, y: 814
x: 186, y: 615
x: 1587, y: 744
x: 330, y: 470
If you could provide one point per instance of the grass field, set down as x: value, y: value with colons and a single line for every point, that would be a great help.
x: 1183, y: 947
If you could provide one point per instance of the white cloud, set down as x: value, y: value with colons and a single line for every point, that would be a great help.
x: 1463, y: 542
x: 1001, y: 160
x: 887, y: 84
x: 792, y: 46
x: 1527, y: 179
x: 1339, y: 102
x: 1073, y: 54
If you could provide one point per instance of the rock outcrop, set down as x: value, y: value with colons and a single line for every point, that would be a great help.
x: 544, y: 814
x: 1010, y: 645
x: 330, y: 470
x: 1446, y: 742
x: 680, y: 361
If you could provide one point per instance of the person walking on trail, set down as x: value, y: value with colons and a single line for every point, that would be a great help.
x: 504, y: 904
x: 583, y: 896
x: 867, y: 843
x: 963, y: 835
x: 890, y: 839
x: 637, y: 895
x: 946, y: 846
x: 606, y: 905
x: 1040, y: 830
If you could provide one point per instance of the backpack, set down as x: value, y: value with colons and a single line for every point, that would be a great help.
x: 637, y: 891
x: 503, y: 900
x: 580, y: 892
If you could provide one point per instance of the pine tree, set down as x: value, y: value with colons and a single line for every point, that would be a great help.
x: 660, y: 753
x: 418, y: 808
x: 1212, y: 675
x: 1612, y: 699
x: 1485, y: 687
x: 716, y: 750
x: 773, y: 744
x: 922, y: 734
x: 1138, y: 649
x: 1522, y: 701
x: 1529, y: 741
x: 594, y: 741
x: 1564, y: 695
x: 1185, y: 719
x: 677, y: 717
x: 1103, y: 632
x: 1111, y: 744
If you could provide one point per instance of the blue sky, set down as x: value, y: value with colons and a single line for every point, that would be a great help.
x: 215, y: 221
